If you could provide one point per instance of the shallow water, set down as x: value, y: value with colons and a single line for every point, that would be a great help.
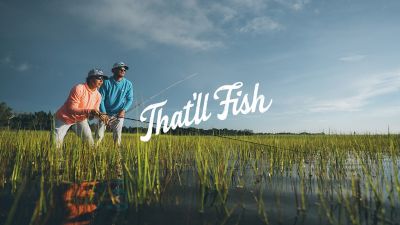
x: 201, y: 180
x: 278, y: 199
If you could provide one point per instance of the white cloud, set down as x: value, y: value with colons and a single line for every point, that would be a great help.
x: 387, y: 111
x: 227, y: 13
x: 255, y: 5
x: 296, y: 5
x: 190, y: 24
x: 261, y: 25
x: 368, y: 88
x: 11, y: 63
x: 353, y: 58
x: 180, y: 23
x: 6, y: 60
x: 23, y: 67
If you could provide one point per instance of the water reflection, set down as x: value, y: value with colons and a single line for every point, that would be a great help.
x: 307, y: 193
x: 80, y: 203
x: 272, y: 200
x: 83, y: 200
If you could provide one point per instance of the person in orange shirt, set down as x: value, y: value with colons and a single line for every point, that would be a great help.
x: 83, y: 102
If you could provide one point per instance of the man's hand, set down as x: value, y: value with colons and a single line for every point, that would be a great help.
x: 121, y: 114
x: 104, y: 118
x: 94, y: 112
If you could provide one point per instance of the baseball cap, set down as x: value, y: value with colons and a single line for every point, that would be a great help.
x: 97, y: 73
x: 120, y: 64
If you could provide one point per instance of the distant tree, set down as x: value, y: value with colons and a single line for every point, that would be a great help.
x: 32, y: 121
x: 42, y: 120
x: 5, y: 114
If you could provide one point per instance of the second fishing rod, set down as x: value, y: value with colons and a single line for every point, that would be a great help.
x: 216, y: 135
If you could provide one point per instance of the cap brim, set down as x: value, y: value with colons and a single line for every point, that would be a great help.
x: 103, y: 76
x: 126, y: 67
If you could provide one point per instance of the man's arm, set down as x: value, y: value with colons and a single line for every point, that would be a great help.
x: 129, y: 98
x: 103, y: 95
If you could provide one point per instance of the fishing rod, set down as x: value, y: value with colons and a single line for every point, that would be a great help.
x: 154, y: 96
x: 220, y: 136
x: 169, y: 87
x: 252, y: 142
x: 164, y: 90
x: 127, y: 118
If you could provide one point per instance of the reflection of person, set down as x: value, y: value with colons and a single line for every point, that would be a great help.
x: 83, y: 200
x: 117, y: 98
x: 83, y: 101
x: 77, y: 202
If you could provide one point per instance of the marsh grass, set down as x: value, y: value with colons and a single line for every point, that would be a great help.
x: 344, y: 178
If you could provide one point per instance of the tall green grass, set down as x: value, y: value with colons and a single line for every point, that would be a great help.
x: 351, y: 178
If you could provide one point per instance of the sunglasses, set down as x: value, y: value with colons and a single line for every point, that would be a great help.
x: 98, y: 77
x: 122, y: 69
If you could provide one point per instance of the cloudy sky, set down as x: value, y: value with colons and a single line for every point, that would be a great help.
x: 327, y: 65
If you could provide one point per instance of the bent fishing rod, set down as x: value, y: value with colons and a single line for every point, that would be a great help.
x: 164, y: 90
x: 154, y: 96
x: 171, y: 86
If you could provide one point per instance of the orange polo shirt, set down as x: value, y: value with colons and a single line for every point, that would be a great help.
x: 79, y: 103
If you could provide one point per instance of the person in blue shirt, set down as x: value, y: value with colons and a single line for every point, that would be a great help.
x: 117, y: 98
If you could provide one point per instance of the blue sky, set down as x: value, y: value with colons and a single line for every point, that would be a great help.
x: 327, y: 65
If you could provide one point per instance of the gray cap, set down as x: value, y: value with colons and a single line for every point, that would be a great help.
x: 120, y: 64
x: 97, y: 73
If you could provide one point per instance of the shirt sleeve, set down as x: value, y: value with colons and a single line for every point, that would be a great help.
x: 98, y: 102
x: 102, y: 93
x: 73, y: 101
x: 129, y: 98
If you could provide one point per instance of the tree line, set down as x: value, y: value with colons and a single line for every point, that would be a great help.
x: 192, y: 131
x: 43, y: 121
x: 24, y: 121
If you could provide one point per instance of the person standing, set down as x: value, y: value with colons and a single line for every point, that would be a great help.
x: 117, y: 98
x: 83, y: 101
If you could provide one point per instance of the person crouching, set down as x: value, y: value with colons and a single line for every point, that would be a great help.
x: 83, y: 102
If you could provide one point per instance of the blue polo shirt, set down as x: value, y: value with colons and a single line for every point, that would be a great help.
x: 116, y: 96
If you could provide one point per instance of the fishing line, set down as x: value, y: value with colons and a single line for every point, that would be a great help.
x: 156, y: 95
x: 164, y: 90
x: 127, y: 118
x: 220, y: 136
x: 252, y: 142
x: 171, y: 86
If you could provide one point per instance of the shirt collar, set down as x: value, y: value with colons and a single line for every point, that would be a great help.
x: 117, y: 81
x: 87, y: 88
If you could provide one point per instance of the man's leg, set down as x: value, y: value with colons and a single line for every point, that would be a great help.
x: 83, y: 131
x: 60, y: 130
x: 100, y: 129
x: 117, y: 130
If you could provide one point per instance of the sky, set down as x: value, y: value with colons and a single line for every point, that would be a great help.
x: 328, y: 65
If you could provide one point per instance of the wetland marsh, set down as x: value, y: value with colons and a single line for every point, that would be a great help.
x: 263, y: 179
